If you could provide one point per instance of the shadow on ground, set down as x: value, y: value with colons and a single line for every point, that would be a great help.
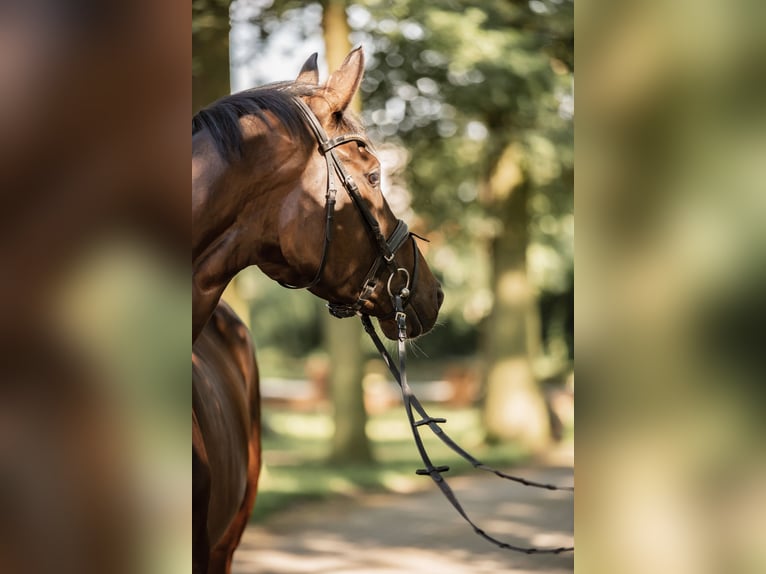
x: 421, y: 532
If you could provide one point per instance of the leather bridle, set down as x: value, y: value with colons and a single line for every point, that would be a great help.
x: 386, y: 247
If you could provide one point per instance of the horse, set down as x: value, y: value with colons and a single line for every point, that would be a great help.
x: 266, y: 169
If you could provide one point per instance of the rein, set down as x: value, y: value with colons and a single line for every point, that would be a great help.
x: 411, y: 403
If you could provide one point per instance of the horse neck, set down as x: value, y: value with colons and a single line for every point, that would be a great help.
x: 209, y: 185
x: 233, y: 207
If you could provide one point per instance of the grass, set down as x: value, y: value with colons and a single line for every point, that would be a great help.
x: 297, y: 446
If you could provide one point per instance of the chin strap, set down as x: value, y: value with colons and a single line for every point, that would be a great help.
x: 411, y: 403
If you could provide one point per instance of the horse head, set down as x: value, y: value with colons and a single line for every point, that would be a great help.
x: 296, y: 191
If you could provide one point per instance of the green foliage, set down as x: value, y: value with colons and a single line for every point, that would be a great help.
x: 455, y: 84
x: 208, y: 14
x: 209, y: 18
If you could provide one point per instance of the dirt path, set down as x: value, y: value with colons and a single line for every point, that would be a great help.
x: 390, y: 533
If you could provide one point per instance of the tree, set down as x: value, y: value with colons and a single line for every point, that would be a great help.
x: 513, y: 406
x: 210, y: 51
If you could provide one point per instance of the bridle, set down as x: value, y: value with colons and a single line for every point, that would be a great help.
x: 386, y: 247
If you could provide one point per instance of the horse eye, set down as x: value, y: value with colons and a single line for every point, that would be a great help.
x: 374, y: 178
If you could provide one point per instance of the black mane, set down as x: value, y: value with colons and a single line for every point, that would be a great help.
x: 221, y: 118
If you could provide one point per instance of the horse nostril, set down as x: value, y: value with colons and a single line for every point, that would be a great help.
x: 439, y: 297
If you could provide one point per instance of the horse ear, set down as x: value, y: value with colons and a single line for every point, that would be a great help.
x: 344, y: 82
x: 309, y: 73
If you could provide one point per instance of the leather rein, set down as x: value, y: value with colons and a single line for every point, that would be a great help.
x: 411, y: 403
x: 387, y: 249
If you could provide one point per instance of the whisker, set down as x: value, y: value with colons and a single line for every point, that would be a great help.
x: 416, y: 349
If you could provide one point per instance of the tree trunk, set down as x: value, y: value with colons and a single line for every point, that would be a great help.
x: 210, y: 57
x: 343, y: 337
x: 514, y: 407
x: 349, y: 442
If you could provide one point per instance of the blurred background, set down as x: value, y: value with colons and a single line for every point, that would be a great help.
x: 671, y: 248
x: 94, y: 295
x: 470, y: 106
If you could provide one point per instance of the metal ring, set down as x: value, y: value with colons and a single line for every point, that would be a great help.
x: 406, y: 283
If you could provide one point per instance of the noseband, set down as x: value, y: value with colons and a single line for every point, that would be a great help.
x: 386, y: 247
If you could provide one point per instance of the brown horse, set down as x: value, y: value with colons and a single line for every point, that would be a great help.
x: 266, y: 166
